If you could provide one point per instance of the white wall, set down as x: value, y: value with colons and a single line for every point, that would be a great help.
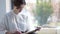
x: 2, y: 8
x: 8, y: 5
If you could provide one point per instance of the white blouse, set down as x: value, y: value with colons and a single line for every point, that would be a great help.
x: 12, y: 22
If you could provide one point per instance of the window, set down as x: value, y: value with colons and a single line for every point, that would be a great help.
x: 41, y: 10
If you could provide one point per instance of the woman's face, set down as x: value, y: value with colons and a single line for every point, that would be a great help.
x: 19, y: 9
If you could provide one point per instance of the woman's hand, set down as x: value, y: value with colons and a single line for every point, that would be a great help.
x: 17, y: 32
x: 8, y: 33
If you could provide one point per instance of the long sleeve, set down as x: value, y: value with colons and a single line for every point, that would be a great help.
x: 7, y: 25
x: 30, y: 24
x: 3, y: 26
x: 3, y: 32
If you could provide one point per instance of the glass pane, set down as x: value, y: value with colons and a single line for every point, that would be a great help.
x: 43, y: 11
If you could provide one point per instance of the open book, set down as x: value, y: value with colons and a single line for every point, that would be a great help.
x: 37, y: 29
